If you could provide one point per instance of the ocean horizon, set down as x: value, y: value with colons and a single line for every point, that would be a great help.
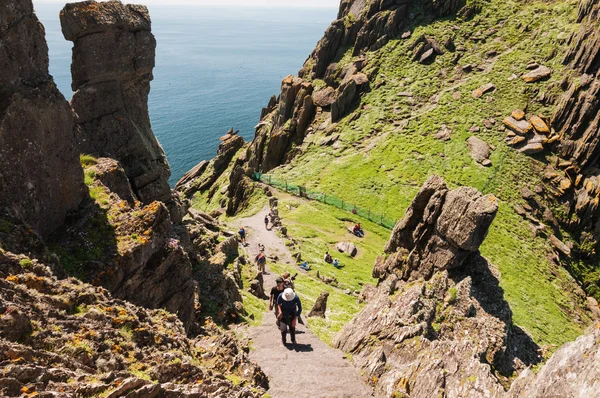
x: 216, y: 68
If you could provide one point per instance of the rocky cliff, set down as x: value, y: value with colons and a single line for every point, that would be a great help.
x: 576, y: 120
x: 129, y: 248
x: 40, y: 176
x: 438, y: 323
x: 113, y: 59
x: 68, y: 338
x: 327, y: 89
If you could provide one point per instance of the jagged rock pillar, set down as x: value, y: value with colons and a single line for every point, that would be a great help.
x: 113, y: 59
x: 320, y: 306
x: 40, y: 175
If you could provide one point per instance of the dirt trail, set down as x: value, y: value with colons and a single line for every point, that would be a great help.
x: 312, y: 368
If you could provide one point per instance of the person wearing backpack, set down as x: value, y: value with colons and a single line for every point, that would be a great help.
x: 290, y: 309
x: 242, y: 233
x: 261, y: 262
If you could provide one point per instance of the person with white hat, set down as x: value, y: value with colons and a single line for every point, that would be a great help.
x: 290, y: 309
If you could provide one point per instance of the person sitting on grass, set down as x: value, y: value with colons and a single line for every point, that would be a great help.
x: 305, y: 266
x: 336, y: 263
x: 358, y: 231
x: 328, y: 259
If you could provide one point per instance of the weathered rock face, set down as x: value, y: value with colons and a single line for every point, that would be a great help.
x: 577, y: 120
x: 447, y: 330
x: 204, y: 175
x: 113, y: 58
x: 131, y: 249
x: 439, y: 231
x: 573, y: 371
x: 53, y: 332
x: 40, y: 175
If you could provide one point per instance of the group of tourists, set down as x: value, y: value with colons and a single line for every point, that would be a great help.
x: 358, y: 231
x: 330, y: 260
x: 287, y: 307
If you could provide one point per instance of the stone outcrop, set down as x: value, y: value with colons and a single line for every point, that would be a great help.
x: 40, y: 176
x: 113, y: 59
x: 204, y: 175
x: 131, y: 249
x: 320, y: 306
x: 439, y: 231
x: 447, y: 330
x: 573, y: 371
x: 68, y: 338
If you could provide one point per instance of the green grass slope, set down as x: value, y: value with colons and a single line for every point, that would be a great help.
x: 387, y: 149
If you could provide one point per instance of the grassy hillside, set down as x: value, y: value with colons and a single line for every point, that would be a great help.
x: 387, y: 147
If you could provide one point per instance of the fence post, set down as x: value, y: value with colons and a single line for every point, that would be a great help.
x: 325, y: 198
x: 342, y: 205
x: 286, y: 186
x: 381, y: 222
x: 269, y: 180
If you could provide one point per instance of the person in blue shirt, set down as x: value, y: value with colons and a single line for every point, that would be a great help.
x: 290, y: 309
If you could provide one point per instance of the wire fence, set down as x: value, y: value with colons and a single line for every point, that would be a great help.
x: 323, y: 197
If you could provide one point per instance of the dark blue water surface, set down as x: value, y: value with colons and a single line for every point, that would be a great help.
x: 216, y: 68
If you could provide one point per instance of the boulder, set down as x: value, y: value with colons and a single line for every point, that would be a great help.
x: 486, y: 88
x: 444, y: 134
x: 112, y: 175
x: 480, y: 150
x: 532, y: 148
x: 557, y: 243
x: 539, y: 125
x: 346, y: 94
x: 257, y: 287
x: 348, y: 248
x: 518, y: 114
x: 540, y: 73
x: 320, y: 306
x: 521, y: 127
x: 191, y: 175
x: 324, y: 97
x: 113, y: 59
x: 41, y: 179
x: 439, y: 231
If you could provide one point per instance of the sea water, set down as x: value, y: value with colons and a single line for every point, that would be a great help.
x: 216, y: 68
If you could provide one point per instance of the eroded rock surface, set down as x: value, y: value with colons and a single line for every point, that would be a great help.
x: 447, y: 329
x: 131, y: 249
x: 40, y: 176
x: 68, y: 338
x: 113, y: 59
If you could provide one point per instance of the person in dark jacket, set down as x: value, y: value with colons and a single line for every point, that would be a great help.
x: 275, y: 292
x: 290, y: 309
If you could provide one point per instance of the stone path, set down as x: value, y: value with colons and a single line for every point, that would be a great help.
x: 312, y: 369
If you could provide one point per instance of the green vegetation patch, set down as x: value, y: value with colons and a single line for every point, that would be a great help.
x: 387, y: 147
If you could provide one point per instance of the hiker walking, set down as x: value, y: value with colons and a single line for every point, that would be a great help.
x: 288, y: 281
x: 242, y: 233
x: 261, y: 262
x: 275, y: 292
x: 290, y: 309
x: 266, y: 222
